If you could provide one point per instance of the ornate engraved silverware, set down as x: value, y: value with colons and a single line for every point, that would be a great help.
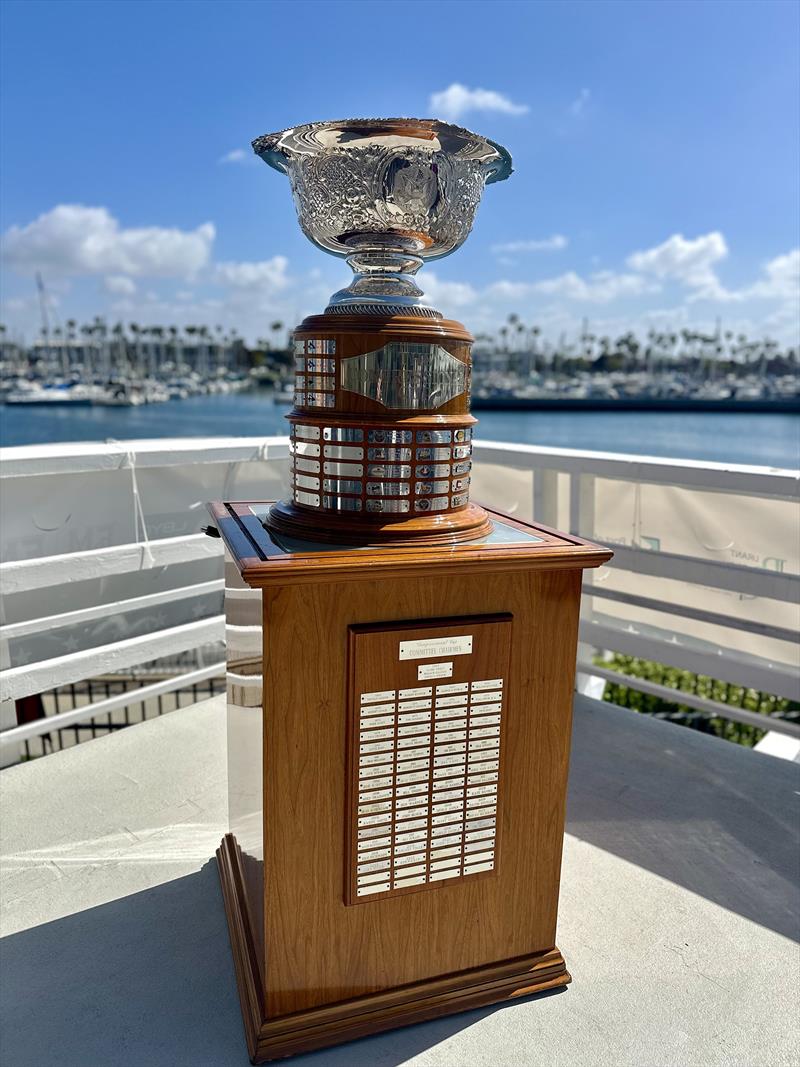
x: 386, y: 195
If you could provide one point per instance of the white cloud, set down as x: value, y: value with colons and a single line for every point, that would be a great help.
x: 599, y: 288
x: 446, y: 294
x: 119, y: 285
x: 689, y: 261
x: 236, y: 155
x: 782, y: 278
x: 457, y: 100
x: 268, y: 275
x: 545, y: 244
x: 580, y: 103
x: 76, y: 240
x: 692, y: 263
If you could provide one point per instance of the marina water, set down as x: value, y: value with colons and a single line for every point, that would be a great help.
x: 723, y: 437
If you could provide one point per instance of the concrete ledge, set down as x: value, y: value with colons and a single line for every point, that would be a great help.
x: 679, y: 898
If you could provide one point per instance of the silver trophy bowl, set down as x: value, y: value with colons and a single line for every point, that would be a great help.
x: 386, y: 195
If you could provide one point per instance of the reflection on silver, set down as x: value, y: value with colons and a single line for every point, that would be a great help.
x: 321, y: 366
x: 299, y: 363
x: 432, y: 503
x: 433, y: 437
x: 318, y: 400
x: 460, y: 500
x: 310, y: 433
x: 301, y: 449
x: 304, y: 482
x: 436, y: 470
x: 459, y: 484
x: 387, y: 505
x: 354, y: 470
x: 320, y: 346
x: 309, y: 465
x: 433, y: 453
x: 389, y: 437
x: 341, y: 485
x: 461, y: 451
x: 343, y: 452
x: 388, y: 488
x: 461, y: 435
x: 342, y: 433
x: 325, y: 382
x: 362, y: 186
x: 388, y: 471
x: 462, y: 468
x: 299, y: 347
x: 389, y: 453
x: 310, y: 499
x: 426, y: 488
x: 406, y: 376
x: 299, y: 399
x: 341, y: 503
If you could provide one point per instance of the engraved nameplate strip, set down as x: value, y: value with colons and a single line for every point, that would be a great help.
x: 425, y: 779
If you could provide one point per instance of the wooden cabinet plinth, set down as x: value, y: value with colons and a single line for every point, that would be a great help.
x: 398, y: 749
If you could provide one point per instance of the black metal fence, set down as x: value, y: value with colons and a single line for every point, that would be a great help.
x: 68, y: 697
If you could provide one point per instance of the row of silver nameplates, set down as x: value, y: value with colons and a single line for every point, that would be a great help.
x: 379, y: 506
x: 445, y: 689
x: 354, y: 486
x: 303, y: 448
x: 380, y: 437
x: 314, y: 365
x: 315, y: 346
x: 325, y: 382
x: 383, y: 470
x: 305, y: 396
x: 428, y: 474
x: 315, y: 400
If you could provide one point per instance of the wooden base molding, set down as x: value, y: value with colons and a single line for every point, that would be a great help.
x: 304, y: 1031
x: 466, y: 524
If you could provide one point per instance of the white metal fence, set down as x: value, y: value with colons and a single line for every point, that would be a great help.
x: 104, y: 567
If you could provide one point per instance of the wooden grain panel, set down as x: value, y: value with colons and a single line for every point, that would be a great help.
x: 319, y: 950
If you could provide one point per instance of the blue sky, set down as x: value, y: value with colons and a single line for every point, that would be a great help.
x: 655, y: 148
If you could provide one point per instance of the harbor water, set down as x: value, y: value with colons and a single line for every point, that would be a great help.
x: 723, y: 437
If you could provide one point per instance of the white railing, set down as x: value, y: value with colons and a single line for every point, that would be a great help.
x: 104, y: 567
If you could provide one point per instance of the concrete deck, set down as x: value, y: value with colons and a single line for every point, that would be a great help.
x: 678, y: 911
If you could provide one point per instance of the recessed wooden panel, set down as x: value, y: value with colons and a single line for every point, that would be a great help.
x: 425, y: 717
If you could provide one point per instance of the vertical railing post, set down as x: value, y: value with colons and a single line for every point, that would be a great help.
x: 581, y: 504
x: 582, y: 524
x: 9, y: 754
x: 545, y: 496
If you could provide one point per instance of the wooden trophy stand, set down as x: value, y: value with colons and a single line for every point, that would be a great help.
x: 399, y: 714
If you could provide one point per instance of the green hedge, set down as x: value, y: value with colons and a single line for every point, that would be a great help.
x: 701, y: 685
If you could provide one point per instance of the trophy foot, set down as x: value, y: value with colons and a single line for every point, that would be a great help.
x: 468, y: 524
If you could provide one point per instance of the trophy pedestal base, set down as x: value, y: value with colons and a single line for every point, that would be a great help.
x: 398, y: 744
x: 333, y: 1024
x: 468, y: 524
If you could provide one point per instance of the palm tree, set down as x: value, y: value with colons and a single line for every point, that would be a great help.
x: 157, y: 332
x: 276, y: 328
